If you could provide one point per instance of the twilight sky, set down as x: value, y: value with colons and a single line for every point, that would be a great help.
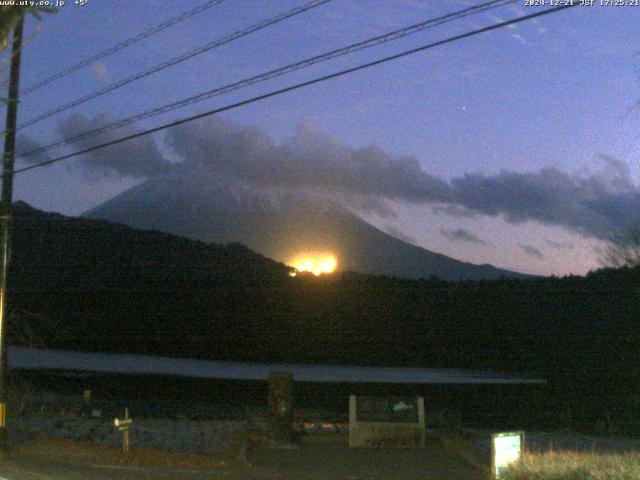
x: 518, y: 147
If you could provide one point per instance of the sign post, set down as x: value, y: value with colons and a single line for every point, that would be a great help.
x: 123, y: 425
x: 506, y: 448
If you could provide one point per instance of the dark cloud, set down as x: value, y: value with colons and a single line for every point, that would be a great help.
x: 531, y: 251
x: 138, y: 158
x: 25, y: 144
x: 309, y: 161
x: 596, y: 204
x: 367, y: 203
x: 461, y: 235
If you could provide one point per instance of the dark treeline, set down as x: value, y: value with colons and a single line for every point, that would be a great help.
x: 93, y: 285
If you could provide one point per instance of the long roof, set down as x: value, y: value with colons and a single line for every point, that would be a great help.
x: 117, y: 363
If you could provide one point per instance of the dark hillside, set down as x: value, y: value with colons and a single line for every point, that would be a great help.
x: 92, y: 285
x: 109, y: 287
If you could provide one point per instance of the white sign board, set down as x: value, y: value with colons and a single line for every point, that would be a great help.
x: 122, y: 424
x: 506, y: 448
x: 386, y: 421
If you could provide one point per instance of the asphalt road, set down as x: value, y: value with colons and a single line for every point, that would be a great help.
x: 311, y: 462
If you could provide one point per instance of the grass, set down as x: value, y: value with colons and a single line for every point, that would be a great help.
x: 575, y: 466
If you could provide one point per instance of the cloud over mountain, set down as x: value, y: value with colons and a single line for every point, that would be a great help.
x: 137, y: 158
x: 559, y: 245
x: 531, y: 251
x: 310, y: 160
x: 594, y: 204
x: 461, y: 235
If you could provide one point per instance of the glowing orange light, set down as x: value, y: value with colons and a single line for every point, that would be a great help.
x: 316, y: 263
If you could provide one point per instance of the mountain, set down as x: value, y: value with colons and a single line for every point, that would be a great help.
x: 279, y: 226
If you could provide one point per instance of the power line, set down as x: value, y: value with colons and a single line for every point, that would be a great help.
x: 390, y: 36
x: 300, y: 85
x: 124, y: 44
x: 175, y: 60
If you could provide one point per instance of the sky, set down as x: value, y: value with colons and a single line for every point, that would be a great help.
x: 517, y: 147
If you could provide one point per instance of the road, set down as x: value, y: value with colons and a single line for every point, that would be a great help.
x: 310, y: 462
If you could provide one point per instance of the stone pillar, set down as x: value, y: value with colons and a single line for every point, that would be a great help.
x: 281, y: 406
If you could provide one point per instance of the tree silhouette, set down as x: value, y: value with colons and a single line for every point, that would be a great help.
x: 9, y: 16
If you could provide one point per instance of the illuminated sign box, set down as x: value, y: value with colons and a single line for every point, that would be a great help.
x: 386, y: 422
x: 506, y: 448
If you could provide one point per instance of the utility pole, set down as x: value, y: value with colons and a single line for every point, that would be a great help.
x: 5, y: 218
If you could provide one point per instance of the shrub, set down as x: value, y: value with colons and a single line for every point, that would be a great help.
x: 575, y: 466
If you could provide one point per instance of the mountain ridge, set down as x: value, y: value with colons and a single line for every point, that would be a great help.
x: 279, y: 225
